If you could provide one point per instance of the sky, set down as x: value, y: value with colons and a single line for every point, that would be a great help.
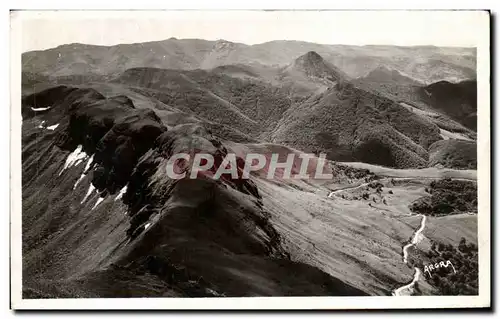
x: 47, y: 29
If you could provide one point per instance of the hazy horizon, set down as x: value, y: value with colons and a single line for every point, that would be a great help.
x: 276, y: 40
x: 43, y: 30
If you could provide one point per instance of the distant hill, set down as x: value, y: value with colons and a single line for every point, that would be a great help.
x: 383, y: 74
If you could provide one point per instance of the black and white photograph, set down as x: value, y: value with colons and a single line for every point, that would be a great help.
x: 169, y: 156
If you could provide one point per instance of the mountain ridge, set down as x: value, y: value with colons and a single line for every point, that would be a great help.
x: 196, y: 53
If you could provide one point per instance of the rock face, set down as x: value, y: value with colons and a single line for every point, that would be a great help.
x: 188, y: 237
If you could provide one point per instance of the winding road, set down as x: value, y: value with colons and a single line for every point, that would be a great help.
x: 348, y: 188
x: 417, y: 237
x: 401, y: 290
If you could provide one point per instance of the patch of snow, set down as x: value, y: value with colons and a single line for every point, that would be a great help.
x: 77, y: 155
x: 40, y: 109
x: 91, y: 189
x: 78, y: 162
x: 79, y: 180
x: 418, y: 111
x: 87, y: 166
x: 147, y: 225
x: 41, y: 124
x: 52, y: 127
x: 99, y: 200
x: 447, y: 135
x: 215, y: 293
x: 120, y: 194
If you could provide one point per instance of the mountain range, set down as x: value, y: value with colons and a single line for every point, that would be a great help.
x: 101, y: 219
x: 425, y: 63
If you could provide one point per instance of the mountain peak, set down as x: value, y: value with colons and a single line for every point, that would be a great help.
x: 309, y: 57
x: 313, y: 65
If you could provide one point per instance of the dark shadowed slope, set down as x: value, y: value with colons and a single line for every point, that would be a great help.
x: 101, y: 218
x: 457, y: 100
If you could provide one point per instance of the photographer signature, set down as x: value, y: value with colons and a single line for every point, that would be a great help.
x: 436, y: 266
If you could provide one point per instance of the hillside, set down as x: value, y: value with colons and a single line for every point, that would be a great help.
x: 350, y: 124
